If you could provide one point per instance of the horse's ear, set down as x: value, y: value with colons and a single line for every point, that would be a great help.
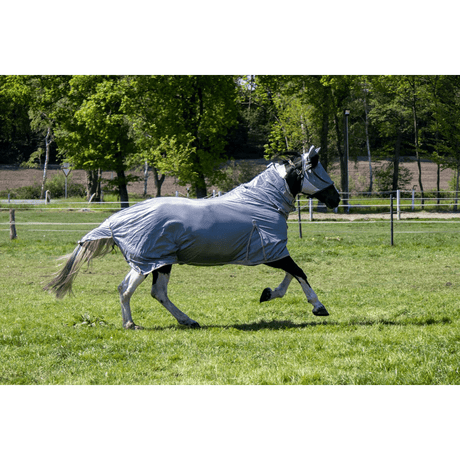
x: 313, y: 156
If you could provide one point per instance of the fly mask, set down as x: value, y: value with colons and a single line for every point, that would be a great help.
x: 315, y: 178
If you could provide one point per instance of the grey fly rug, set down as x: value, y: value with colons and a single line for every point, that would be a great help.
x: 246, y: 226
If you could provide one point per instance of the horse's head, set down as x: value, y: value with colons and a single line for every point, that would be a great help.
x: 308, y: 176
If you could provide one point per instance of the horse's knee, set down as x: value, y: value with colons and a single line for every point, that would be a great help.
x: 122, y: 289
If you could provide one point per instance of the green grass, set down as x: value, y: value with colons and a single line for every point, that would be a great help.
x: 394, y: 320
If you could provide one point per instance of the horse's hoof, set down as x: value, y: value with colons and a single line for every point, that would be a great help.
x: 266, y: 295
x: 131, y: 325
x: 320, y: 311
x: 193, y: 325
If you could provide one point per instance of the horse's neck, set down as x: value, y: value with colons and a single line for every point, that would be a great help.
x: 289, y: 174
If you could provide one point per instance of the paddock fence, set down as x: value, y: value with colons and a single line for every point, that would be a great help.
x: 366, y: 208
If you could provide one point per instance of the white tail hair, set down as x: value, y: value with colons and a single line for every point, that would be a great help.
x: 84, y: 252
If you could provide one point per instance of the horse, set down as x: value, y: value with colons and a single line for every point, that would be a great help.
x: 246, y: 226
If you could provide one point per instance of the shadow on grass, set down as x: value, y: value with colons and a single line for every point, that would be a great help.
x: 274, y: 325
x: 280, y: 325
x: 284, y: 325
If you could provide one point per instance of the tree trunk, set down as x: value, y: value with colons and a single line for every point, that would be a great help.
x: 343, y: 161
x: 366, y: 124
x: 438, y: 186
x: 200, y: 187
x: 123, y: 189
x: 396, y: 161
x: 158, y: 181
x: 324, y: 139
x: 93, y: 184
x: 48, y: 140
x: 304, y: 135
x: 419, y: 166
x: 146, y: 178
x: 200, y: 183
x: 456, y: 186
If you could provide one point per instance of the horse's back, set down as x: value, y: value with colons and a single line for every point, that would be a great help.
x: 214, y: 231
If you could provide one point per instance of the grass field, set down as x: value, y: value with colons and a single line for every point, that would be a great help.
x: 395, y: 312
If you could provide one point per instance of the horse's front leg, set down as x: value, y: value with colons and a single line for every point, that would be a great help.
x: 280, y: 291
x: 126, y: 290
x: 292, y: 269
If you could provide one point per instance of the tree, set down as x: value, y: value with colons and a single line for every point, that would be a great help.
x: 43, y: 101
x: 181, y: 122
x: 392, y: 118
x: 95, y: 133
x: 412, y: 88
x: 300, y: 108
x: 447, y: 116
x: 17, y: 141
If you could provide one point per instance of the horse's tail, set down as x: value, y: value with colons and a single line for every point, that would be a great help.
x: 84, y: 252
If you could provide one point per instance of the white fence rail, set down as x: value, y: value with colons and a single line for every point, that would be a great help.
x: 365, y: 203
x: 369, y: 203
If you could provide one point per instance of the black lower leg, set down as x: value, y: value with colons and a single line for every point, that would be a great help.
x: 166, y: 269
x: 289, y: 266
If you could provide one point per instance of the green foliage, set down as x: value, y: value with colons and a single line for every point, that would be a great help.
x: 180, y: 124
x: 28, y: 192
x: 453, y: 181
x: 34, y: 160
x: 87, y: 320
x: 56, y: 186
x: 384, y: 177
x: 184, y: 125
x: 236, y: 173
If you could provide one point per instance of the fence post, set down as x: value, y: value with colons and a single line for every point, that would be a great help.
x: 47, y: 197
x: 177, y: 193
x: 13, y: 234
x: 391, y: 219
x: 413, y: 199
x: 398, y: 203
x: 310, y: 208
x: 300, y: 223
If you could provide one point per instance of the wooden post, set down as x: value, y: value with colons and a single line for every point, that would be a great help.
x: 300, y: 218
x: 13, y: 234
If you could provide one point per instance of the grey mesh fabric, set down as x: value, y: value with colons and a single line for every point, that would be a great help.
x: 246, y: 226
x: 314, y: 179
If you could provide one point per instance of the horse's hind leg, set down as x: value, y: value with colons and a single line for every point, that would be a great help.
x: 126, y: 290
x: 160, y: 293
